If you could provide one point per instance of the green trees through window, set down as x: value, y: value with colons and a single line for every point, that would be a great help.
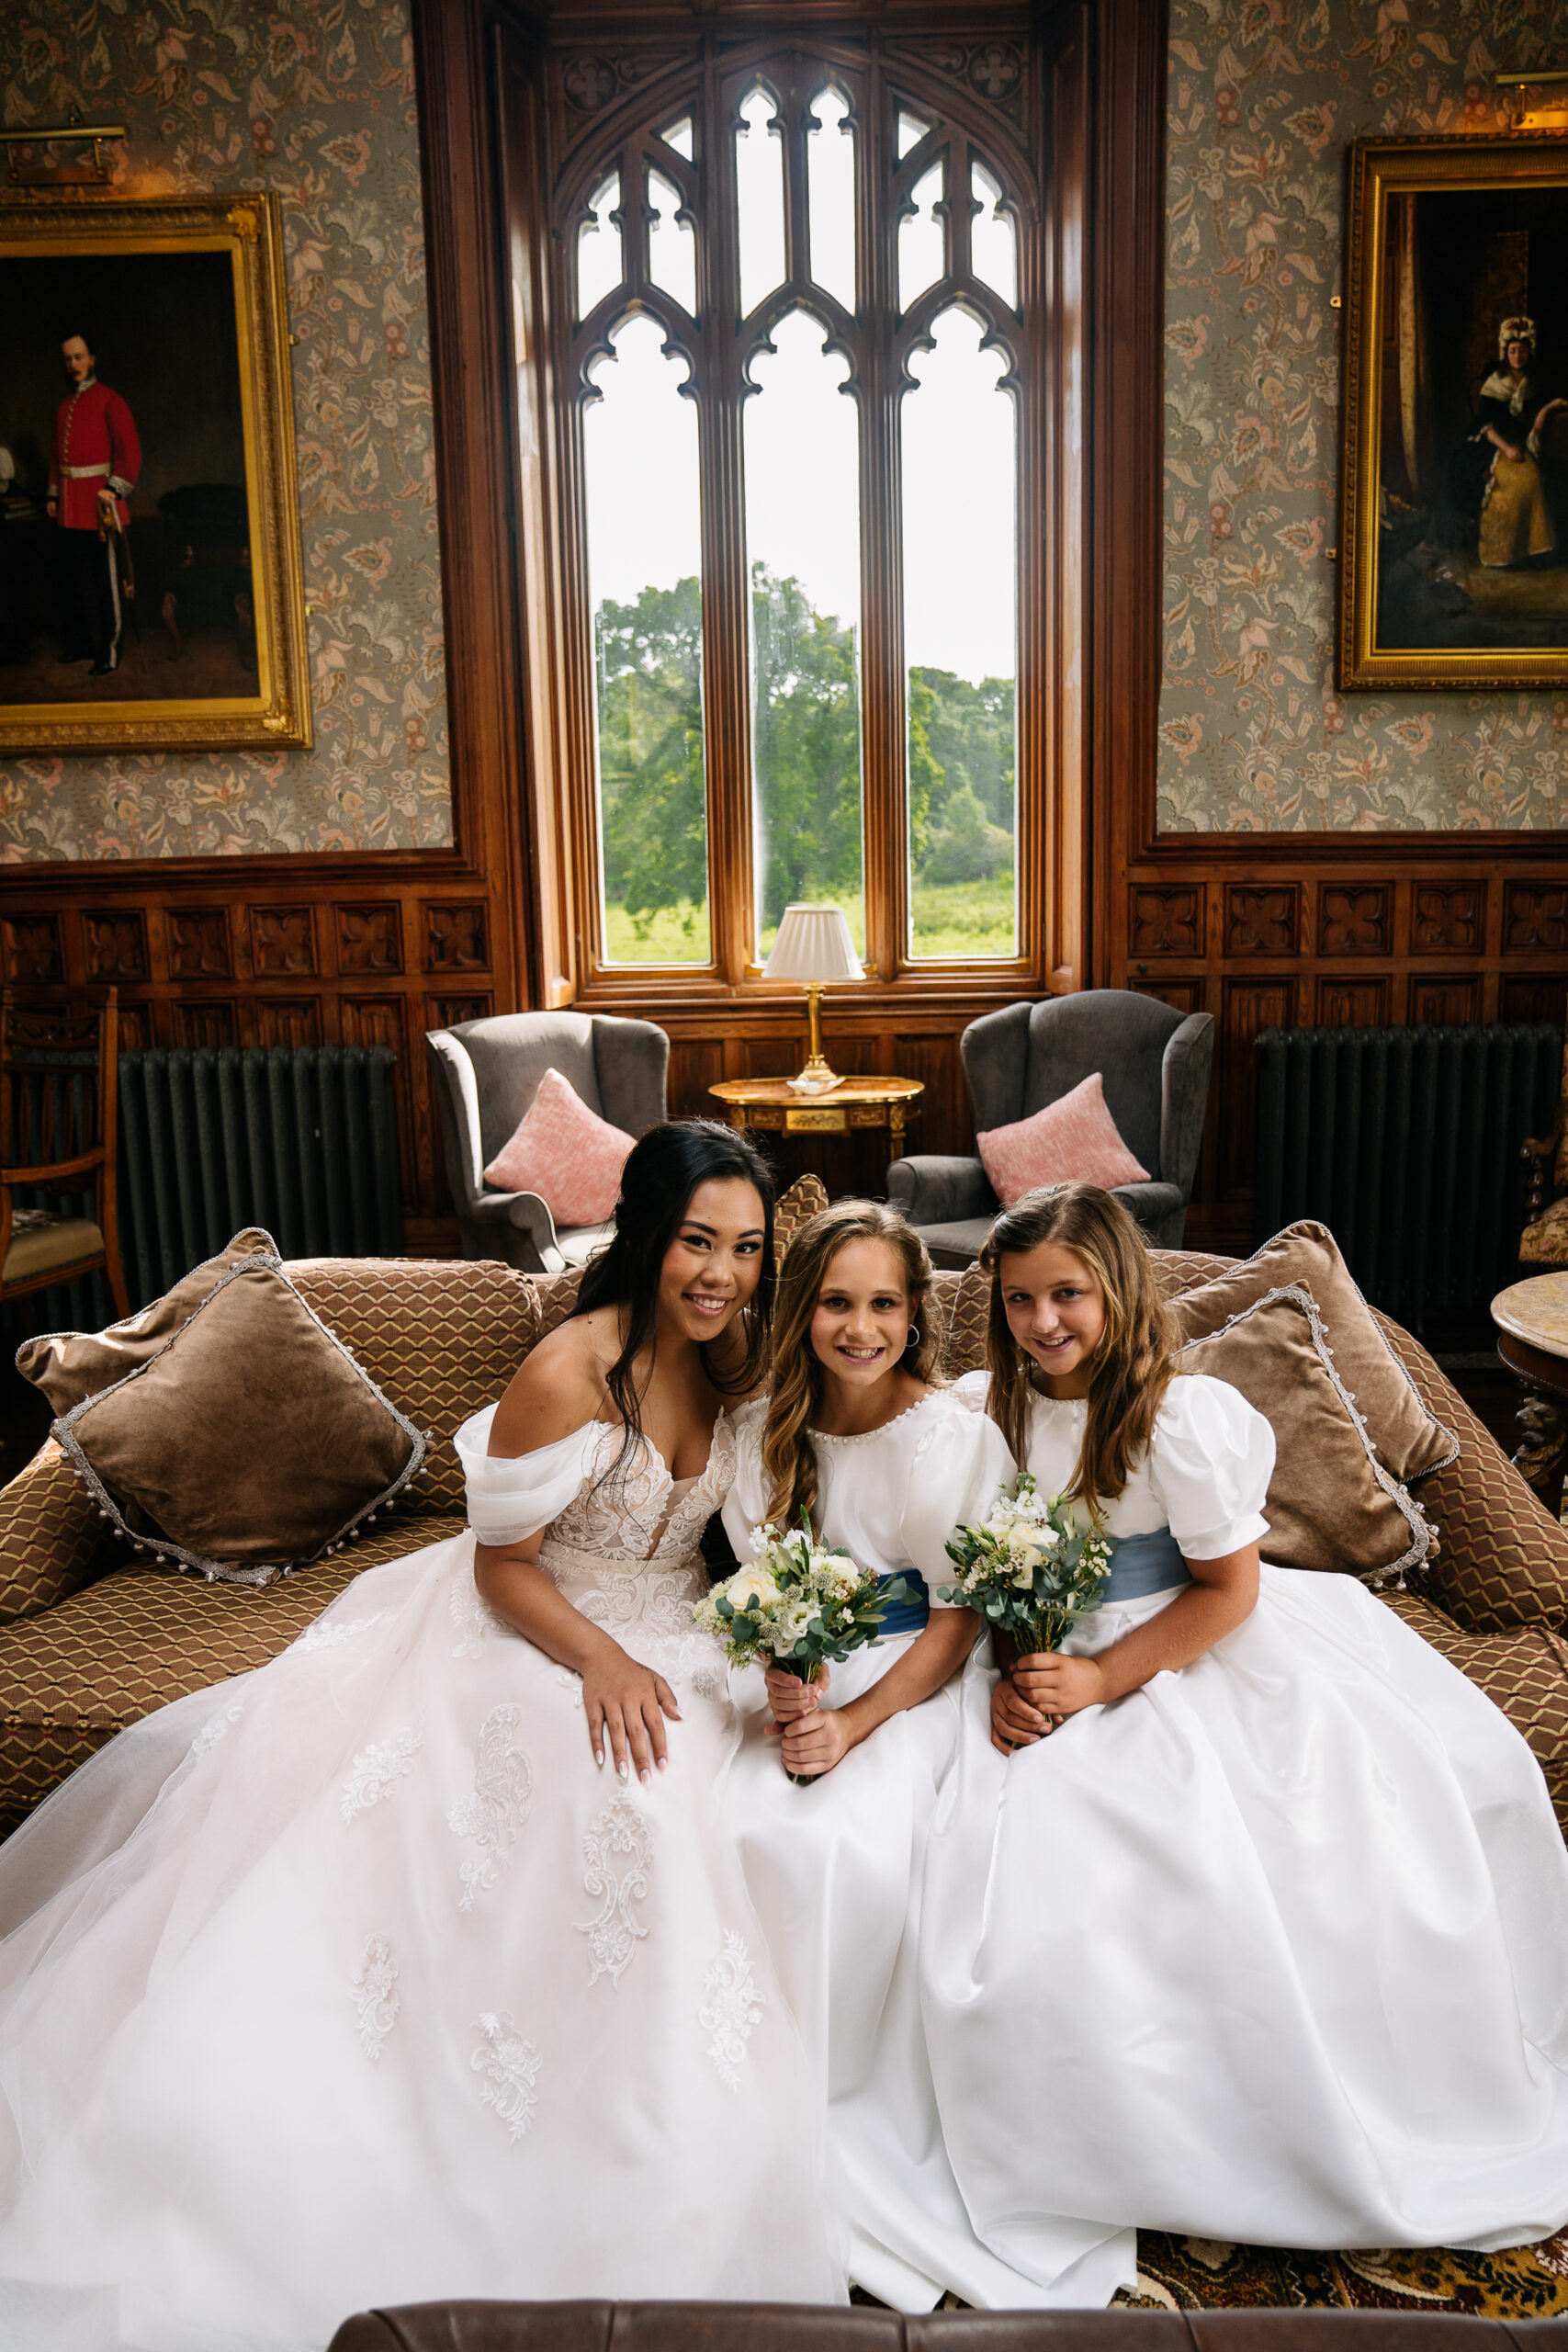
x: 808, y: 755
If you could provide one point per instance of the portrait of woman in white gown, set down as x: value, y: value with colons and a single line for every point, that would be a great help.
x: 420, y: 1962
x: 1245, y: 1914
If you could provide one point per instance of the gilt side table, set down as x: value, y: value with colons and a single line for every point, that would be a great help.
x: 1531, y: 1318
x: 855, y: 1102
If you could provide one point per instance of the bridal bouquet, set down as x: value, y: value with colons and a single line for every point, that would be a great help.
x: 798, y: 1605
x: 1029, y: 1569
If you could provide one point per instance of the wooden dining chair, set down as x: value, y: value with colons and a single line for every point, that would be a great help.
x: 58, y: 1085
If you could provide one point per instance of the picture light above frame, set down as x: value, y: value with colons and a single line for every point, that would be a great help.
x: 197, y: 570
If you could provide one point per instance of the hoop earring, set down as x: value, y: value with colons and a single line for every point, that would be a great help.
x: 914, y: 1338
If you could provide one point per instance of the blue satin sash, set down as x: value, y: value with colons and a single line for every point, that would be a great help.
x: 1143, y: 1564
x: 906, y: 1616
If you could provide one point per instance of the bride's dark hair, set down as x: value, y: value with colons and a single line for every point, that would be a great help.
x: 662, y: 1171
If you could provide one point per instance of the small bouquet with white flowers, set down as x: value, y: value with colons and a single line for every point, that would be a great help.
x: 1029, y: 1570
x: 796, y: 1604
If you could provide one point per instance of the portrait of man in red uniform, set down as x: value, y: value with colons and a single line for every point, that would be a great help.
x: 93, y: 467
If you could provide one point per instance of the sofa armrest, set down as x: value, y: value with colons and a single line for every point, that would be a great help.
x: 520, y: 1215
x: 53, y: 1540
x: 933, y: 1188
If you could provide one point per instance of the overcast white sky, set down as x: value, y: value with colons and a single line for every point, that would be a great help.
x: 801, y: 433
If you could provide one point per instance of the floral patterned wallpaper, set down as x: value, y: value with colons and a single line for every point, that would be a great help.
x: 1264, y: 97
x: 316, y: 99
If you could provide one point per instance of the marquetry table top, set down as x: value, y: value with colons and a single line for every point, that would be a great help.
x: 1535, y: 1311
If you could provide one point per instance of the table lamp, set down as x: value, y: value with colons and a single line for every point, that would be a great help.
x: 814, y: 945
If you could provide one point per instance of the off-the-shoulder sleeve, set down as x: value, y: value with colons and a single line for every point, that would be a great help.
x: 1209, y: 1463
x: 954, y: 1471
x: 510, y: 1496
x: 746, y: 1503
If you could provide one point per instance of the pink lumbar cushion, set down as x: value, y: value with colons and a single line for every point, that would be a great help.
x: 1074, y: 1139
x: 566, y: 1153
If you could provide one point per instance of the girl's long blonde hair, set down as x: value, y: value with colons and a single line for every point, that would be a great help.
x: 1131, y: 1369
x: 789, y: 1460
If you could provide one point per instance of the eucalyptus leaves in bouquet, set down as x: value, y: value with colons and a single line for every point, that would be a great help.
x: 796, y: 1605
x: 1029, y: 1569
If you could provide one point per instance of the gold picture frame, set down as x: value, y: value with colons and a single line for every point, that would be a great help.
x: 198, y: 640
x: 1454, y: 520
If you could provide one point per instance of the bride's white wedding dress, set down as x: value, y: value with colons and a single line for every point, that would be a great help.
x: 356, y: 1981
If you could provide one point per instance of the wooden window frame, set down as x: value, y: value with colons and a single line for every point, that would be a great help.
x: 549, y: 161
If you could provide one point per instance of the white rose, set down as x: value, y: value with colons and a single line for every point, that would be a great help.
x: 750, y: 1585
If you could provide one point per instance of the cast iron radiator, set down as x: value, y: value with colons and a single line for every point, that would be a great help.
x: 1405, y: 1143
x: 301, y: 1140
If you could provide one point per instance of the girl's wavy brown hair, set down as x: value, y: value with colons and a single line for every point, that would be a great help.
x: 789, y: 1459
x: 1131, y: 1369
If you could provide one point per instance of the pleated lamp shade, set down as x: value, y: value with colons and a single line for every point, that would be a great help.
x: 814, y: 948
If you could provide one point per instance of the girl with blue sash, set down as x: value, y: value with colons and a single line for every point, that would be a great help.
x: 856, y: 1432
x: 1245, y: 1915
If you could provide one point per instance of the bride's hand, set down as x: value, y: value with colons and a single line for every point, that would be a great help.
x: 790, y: 1698
x: 628, y: 1703
x: 1014, y: 1722
x: 1058, y: 1685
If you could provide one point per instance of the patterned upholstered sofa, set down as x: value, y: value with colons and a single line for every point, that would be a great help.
x: 92, y: 1637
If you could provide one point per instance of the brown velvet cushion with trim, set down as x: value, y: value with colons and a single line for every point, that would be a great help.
x: 1331, y: 1504
x: 250, y: 1443
x: 1409, y: 1439
x: 70, y: 1365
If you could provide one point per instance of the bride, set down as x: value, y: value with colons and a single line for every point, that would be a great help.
x: 418, y: 1963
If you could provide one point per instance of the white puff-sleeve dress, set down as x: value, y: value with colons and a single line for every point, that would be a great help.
x: 1274, y: 1948
x: 834, y: 1867
x: 355, y: 1981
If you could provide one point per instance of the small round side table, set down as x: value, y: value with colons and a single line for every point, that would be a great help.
x: 1531, y: 1318
x: 854, y: 1102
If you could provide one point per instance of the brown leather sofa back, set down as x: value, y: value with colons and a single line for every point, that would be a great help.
x: 790, y: 2327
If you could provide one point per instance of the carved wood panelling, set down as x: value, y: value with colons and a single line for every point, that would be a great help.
x: 453, y: 937
x: 370, y: 939
x: 1261, y: 920
x: 283, y: 942
x: 115, y: 945
x: 1450, y: 998
x: 1354, y: 919
x: 1542, y: 997
x: 1247, y: 1006
x: 1167, y: 923
x: 446, y: 1012
x: 288, y: 1020
x: 1182, y: 996
x: 1352, y: 1005
x: 200, y: 945
x: 205, y: 1022
x: 372, y: 1020
x: 1535, y: 915
x: 135, y: 1026
x: 1449, y: 917
x: 33, y: 948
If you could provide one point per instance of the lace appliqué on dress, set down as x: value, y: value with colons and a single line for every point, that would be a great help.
x: 473, y: 1617
x: 732, y: 2008
x: 510, y: 2066
x: 493, y: 1816
x: 374, y: 1992
x: 328, y: 1637
x: 215, y: 1728
x: 377, y: 1768
x: 613, y: 1934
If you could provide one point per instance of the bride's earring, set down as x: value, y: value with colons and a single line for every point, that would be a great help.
x: 914, y: 1338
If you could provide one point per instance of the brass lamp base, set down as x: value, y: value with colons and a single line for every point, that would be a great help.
x: 815, y: 1077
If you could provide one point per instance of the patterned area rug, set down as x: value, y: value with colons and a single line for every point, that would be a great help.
x: 1200, y: 2274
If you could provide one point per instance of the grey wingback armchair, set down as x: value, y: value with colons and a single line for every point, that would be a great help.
x: 1155, y: 1067
x: 485, y: 1074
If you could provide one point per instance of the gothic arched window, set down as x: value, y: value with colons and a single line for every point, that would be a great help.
x: 794, y: 292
